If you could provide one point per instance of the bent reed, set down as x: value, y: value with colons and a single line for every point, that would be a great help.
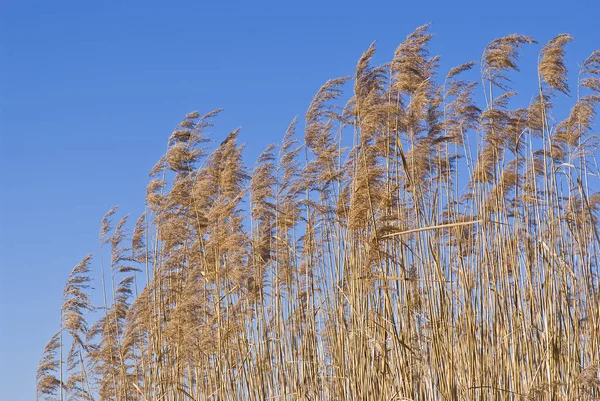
x: 449, y: 251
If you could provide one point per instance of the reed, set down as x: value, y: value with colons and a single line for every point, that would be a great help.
x: 452, y: 252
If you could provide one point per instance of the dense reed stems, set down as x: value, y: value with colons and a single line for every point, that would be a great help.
x: 452, y: 252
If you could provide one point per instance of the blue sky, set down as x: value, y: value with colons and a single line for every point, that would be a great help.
x: 90, y: 91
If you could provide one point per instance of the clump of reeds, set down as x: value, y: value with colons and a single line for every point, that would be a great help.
x: 452, y: 252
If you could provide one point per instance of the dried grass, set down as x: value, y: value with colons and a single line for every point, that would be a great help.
x: 412, y: 266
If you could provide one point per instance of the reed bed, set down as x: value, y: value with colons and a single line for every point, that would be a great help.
x: 410, y: 245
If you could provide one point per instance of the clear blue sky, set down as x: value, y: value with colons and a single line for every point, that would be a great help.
x: 90, y: 91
